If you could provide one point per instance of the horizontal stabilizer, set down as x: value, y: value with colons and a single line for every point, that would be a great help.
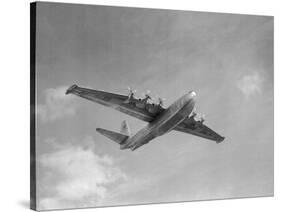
x: 114, y: 136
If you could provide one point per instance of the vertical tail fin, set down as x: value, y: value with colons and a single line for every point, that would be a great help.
x: 125, y: 129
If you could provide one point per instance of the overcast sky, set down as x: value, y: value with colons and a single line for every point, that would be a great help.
x: 227, y: 59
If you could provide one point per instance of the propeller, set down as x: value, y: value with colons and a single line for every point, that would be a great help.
x: 147, y: 94
x: 131, y: 91
x: 201, y: 118
x: 161, y: 101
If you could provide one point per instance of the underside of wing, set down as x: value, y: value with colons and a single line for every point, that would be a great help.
x: 116, y: 101
x: 199, y: 129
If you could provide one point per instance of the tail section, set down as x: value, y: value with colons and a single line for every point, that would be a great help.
x: 114, y: 136
x: 125, y: 129
x: 120, y: 138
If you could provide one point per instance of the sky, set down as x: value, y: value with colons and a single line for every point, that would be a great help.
x: 227, y: 59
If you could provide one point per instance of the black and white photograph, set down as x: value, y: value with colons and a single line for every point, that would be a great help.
x: 133, y: 106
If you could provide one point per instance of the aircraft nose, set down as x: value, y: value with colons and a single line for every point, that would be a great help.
x: 192, y: 94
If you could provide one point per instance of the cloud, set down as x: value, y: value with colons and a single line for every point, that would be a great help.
x: 57, y: 105
x: 76, y: 177
x: 250, y: 84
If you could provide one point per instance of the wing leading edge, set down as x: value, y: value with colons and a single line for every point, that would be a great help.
x: 116, y: 101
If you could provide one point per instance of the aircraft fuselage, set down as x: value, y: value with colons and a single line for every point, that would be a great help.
x: 164, y: 123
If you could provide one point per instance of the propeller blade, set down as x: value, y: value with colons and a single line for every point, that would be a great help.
x: 147, y: 94
x: 161, y: 101
x: 131, y: 90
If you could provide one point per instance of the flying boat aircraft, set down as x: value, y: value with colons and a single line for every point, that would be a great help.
x: 179, y: 116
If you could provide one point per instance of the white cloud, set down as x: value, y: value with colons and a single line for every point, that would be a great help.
x: 250, y: 84
x: 76, y: 177
x: 57, y: 105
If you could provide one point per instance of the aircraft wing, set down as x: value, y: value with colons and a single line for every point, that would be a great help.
x: 112, y: 100
x: 193, y: 127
